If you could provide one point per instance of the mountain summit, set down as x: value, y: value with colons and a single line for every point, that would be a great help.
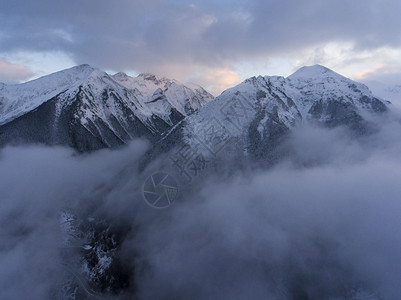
x: 88, y: 109
x: 18, y: 99
x: 186, y: 98
x: 314, y: 72
x: 253, y: 118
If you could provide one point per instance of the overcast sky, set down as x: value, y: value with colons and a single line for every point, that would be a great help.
x: 214, y: 43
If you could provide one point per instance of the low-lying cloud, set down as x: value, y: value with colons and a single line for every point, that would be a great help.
x: 323, y: 223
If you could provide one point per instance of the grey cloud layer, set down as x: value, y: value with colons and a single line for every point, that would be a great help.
x: 142, y: 34
x: 322, y: 223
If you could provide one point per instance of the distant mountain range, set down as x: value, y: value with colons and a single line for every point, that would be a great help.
x: 88, y: 109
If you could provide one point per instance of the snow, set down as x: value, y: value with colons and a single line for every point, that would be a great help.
x: 97, y: 94
x: 285, y: 100
x: 160, y: 106
x: 314, y: 83
x: 103, y: 96
x: 313, y: 72
x: 18, y: 99
x: 184, y: 98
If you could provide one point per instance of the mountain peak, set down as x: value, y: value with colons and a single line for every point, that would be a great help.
x: 121, y: 76
x: 148, y: 76
x: 313, y: 72
x: 83, y: 67
x: 154, y: 78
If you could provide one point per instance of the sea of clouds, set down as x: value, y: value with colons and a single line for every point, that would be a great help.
x: 324, y: 223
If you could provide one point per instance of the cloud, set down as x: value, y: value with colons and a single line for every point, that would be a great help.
x: 365, y: 73
x: 213, y: 79
x: 387, y: 71
x: 13, y: 73
x: 379, y: 64
x: 322, y: 223
x: 36, y: 184
x: 143, y: 35
x: 216, y: 80
x: 317, y: 226
x: 315, y: 232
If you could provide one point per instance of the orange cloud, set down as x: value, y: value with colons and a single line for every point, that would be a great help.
x: 216, y: 80
x: 363, y: 74
x: 12, y: 73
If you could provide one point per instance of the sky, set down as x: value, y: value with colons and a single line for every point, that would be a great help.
x: 213, y: 43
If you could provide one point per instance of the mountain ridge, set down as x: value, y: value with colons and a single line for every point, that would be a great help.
x: 110, y: 110
x: 250, y: 120
x: 84, y: 101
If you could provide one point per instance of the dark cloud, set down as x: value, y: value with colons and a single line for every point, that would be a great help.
x: 143, y: 35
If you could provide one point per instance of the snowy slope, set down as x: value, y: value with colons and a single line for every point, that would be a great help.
x: 257, y: 113
x: 174, y: 91
x: 317, y: 83
x: 88, y: 109
x: 18, y: 99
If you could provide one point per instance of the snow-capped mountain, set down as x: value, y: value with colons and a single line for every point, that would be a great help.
x: 18, y: 99
x: 247, y: 121
x: 255, y: 115
x: 150, y: 85
x: 88, y: 109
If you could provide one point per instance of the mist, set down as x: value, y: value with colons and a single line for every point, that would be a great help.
x: 323, y: 223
